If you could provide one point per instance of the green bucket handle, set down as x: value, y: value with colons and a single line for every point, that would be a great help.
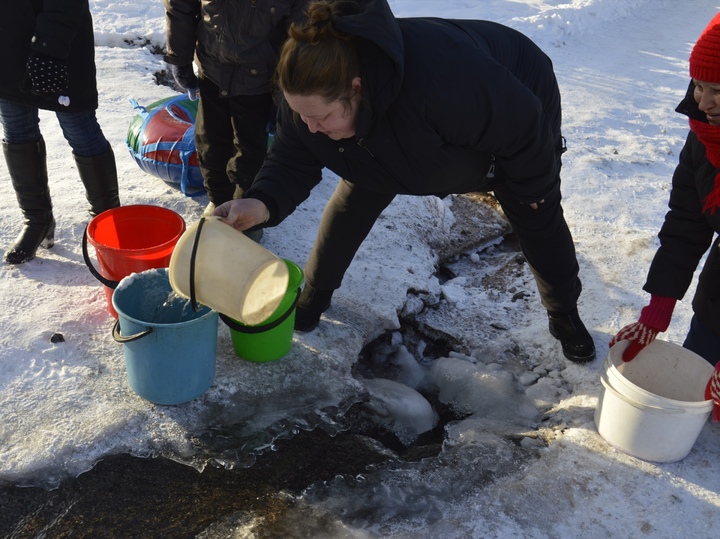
x: 123, y: 339
x: 242, y: 328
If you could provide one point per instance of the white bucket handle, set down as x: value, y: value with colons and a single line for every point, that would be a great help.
x: 639, y: 405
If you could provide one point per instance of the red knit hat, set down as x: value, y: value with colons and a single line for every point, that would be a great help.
x: 705, y: 56
x: 705, y: 66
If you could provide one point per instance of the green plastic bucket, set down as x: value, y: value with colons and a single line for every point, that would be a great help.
x: 272, y: 339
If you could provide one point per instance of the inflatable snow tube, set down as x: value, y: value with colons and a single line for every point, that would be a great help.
x: 161, y: 139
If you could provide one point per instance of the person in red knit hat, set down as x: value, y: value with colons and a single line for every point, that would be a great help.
x: 691, y: 224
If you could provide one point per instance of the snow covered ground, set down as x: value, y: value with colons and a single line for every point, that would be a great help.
x: 622, y: 68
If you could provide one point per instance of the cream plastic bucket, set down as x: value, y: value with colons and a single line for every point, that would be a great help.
x: 218, y: 266
x: 653, y: 407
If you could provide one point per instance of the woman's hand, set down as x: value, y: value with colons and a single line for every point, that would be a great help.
x: 243, y: 213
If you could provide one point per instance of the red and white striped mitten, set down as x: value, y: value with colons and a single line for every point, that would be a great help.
x: 653, y: 319
x: 712, y: 391
x: 639, y: 336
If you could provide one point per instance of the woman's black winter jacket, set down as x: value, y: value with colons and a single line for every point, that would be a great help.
x: 687, y: 232
x: 442, y: 100
x: 62, y: 29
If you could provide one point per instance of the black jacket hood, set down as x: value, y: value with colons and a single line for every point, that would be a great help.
x: 689, y: 107
x: 382, y: 58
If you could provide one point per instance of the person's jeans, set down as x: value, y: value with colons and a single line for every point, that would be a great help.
x: 701, y: 340
x: 21, y: 124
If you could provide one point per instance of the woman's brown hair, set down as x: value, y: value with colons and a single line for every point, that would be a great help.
x: 316, y: 59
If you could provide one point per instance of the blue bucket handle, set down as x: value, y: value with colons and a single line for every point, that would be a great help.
x: 242, y: 328
x: 89, y: 264
x: 123, y: 339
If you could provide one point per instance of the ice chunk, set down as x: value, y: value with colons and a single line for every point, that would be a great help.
x: 410, y: 372
x: 399, y: 408
x: 480, y: 389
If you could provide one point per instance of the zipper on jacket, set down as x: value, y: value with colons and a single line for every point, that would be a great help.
x: 360, y: 143
x: 254, y: 3
x: 491, y: 169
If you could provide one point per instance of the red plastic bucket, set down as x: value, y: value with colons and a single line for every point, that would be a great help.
x: 131, y: 239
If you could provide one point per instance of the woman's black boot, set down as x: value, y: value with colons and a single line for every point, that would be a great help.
x: 310, y: 306
x: 99, y: 176
x: 577, y: 343
x: 28, y: 172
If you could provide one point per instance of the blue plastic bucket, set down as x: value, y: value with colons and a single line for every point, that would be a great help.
x: 169, y: 347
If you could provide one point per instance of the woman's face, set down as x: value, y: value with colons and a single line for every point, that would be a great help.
x: 707, y: 95
x: 333, y: 119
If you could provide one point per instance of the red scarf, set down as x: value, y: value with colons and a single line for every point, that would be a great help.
x: 709, y: 135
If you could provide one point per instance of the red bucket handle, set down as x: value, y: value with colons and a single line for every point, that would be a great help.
x: 107, y: 282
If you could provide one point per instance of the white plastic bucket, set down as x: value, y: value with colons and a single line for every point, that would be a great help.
x: 220, y: 267
x: 653, y: 407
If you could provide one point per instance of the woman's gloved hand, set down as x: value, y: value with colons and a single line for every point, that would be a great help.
x: 654, y: 319
x: 639, y: 335
x: 712, y: 392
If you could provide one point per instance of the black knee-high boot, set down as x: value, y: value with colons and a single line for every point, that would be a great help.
x: 99, y: 176
x: 27, y: 164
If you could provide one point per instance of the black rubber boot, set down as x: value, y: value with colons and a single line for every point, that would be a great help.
x: 310, y: 306
x: 99, y: 176
x: 27, y: 164
x: 577, y: 344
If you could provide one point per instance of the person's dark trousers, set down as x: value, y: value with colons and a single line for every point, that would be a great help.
x: 231, y: 140
x: 347, y: 219
x: 701, y: 340
x: 548, y: 247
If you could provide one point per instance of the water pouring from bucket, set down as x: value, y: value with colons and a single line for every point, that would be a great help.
x: 254, y: 290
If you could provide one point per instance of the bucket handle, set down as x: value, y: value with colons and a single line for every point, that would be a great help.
x: 122, y: 339
x: 107, y: 282
x: 639, y: 405
x: 241, y: 328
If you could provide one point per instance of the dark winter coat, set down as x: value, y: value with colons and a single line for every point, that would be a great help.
x: 235, y: 43
x: 441, y: 100
x: 687, y: 232
x: 63, y: 29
